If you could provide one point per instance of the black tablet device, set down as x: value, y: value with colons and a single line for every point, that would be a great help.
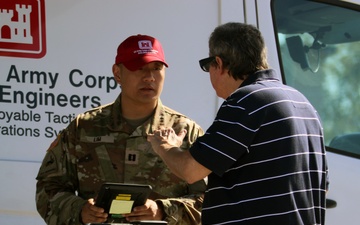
x: 142, y: 222
x: 120, y: 198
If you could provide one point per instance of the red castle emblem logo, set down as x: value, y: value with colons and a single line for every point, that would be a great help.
x: 22, y: 28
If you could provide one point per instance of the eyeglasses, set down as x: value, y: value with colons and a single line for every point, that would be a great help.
x: 205, y: 63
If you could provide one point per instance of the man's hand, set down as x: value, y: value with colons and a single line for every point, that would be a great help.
x: 92, y: 214
x: 149, y: 211
x: 165, y: 139
x: 181, y: 163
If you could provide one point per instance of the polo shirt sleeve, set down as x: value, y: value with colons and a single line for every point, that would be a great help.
x: 227, y: 139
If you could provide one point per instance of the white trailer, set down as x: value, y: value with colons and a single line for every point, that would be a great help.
x: 314, y: 45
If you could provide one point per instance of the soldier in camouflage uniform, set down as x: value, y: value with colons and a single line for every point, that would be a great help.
x: 108, y: 144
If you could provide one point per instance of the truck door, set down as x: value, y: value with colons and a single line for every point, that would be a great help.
x: 319, y: 47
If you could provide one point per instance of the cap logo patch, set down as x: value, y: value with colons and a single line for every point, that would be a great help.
x: 145, y: 46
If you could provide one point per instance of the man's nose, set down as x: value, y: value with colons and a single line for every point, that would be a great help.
x: 149, y: 75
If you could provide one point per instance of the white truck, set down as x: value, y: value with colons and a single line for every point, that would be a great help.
x: 65, y: 49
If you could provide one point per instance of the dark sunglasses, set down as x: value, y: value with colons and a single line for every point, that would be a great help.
x: 205, y: 63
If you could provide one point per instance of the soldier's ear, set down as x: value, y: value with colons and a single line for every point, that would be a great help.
x: 117, y: 72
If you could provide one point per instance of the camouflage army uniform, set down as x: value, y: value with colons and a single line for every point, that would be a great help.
x: 99, y: 146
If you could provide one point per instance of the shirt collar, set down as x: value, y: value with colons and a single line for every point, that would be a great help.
x: 260, y: 75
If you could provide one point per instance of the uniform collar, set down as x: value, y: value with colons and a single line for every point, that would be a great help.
x: 153, y: 123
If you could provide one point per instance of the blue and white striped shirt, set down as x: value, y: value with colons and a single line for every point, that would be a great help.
x: 266, y: 152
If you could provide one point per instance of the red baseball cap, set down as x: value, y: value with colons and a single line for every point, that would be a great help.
x: 138, y: 50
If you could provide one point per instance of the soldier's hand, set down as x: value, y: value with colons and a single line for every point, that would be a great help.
x: 92, y: 214
x: 149, y: 211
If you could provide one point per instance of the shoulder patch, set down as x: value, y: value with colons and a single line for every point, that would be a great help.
x: 49, y: 164
x: 54, y: 144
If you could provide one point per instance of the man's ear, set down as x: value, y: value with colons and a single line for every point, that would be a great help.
x: 220, y: 64
x: 116, y: 72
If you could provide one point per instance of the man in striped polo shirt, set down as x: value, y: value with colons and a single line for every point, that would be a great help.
x: 264, y: 154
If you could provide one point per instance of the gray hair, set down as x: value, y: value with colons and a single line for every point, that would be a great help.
x: 241, y: 48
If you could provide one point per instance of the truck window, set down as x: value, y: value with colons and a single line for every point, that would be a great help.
x: 320, y: 48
